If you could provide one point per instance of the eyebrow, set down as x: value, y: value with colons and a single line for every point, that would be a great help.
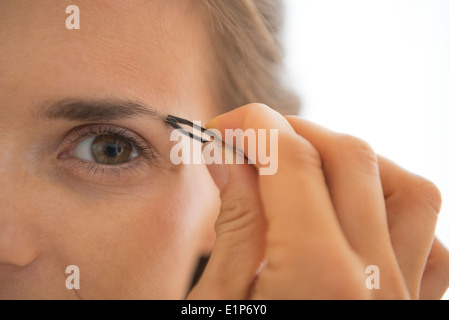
x: 97, y: 110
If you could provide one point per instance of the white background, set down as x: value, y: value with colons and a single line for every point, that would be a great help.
x: 379, y: 70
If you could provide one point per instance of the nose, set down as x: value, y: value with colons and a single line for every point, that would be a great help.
x: 16, y: 244
x: 18, y: 231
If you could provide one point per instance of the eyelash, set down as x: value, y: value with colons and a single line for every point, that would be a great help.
x: 77, y: 135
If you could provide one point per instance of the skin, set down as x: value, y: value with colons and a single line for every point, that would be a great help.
x: 137, y: 235
x: 333, y: 208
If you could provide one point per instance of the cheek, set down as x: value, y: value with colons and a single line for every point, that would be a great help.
x: 140, y: 239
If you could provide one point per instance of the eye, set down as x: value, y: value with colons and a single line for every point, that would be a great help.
x: 106, y: 153
x: 106, y: 150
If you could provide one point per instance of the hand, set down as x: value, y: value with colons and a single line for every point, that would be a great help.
x: 309, y: 231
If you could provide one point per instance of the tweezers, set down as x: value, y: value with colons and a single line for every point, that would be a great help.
x: 176, y: 121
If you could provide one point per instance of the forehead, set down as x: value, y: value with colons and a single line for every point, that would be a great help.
x: 144, y: 49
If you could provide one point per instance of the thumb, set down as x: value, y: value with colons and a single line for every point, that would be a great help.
x: 240, y: 235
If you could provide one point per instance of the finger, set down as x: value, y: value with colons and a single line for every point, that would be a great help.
x: 352, y: 175
x: 435, y: 280
x: 240, y: 231
x: 412, y: 204
x: 303, y: 238
x: 296, y: 201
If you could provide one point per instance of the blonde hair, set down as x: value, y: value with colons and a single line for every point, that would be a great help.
x: 247, y: 37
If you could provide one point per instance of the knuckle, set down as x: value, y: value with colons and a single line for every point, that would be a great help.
x: 298, y: 151
x: 236, y: 216
x: 254, y: 109
x: 252, y: 113
x: 258, y: 115
x: 357, y: 150
x: 351, y: 144
x: 425, y: 192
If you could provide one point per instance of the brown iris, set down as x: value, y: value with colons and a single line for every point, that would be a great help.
x: 111, y: 150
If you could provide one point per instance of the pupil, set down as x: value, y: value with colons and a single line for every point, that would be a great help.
x: 112, y: 150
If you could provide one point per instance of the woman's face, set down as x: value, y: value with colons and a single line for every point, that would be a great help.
x: 85, y: 173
